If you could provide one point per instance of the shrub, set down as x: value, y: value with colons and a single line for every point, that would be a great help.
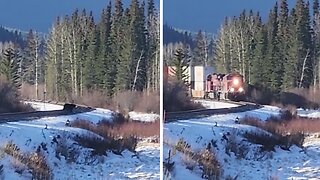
x: 149, y: 102
x: 210, y: 165
x: 176, y: 98
x: 34, y: 161
x: 10, y: 99
x: 40, y: 169
x: 99, y: 146
x: 63, y: 149
x: 182, y: 146
x: 123, y: 130
x: 269, y: 142
x: 239, y: 149
x: 206, y: 158
x: 12, y: 149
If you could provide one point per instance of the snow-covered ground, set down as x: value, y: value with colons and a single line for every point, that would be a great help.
x: 28, y: 135
x: 308, y: 113
x: 39, y: 106
x: 215, y: 104
x: 145, y: 117
x: 294, y: 164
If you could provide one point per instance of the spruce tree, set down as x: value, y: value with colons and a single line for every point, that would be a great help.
x: 10, y: 66
x: 181, y: 65
x: 200, y: 50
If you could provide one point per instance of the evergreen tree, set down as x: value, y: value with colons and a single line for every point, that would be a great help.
x: 10, y: 66
x: 259, y: 73
x: 181, y: 65
x: 273, y: 64
x: 200, y: 51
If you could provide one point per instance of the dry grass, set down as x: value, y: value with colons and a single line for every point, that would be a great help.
x: 285, y: 133
x: 205, y: 158
x: 34, y: 161
x: 116, y: 137
x: 123, y: 102
x: 289, y: 126
x: 124, y: 130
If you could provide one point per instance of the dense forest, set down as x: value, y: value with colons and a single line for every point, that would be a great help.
x: 279, y: 53
x: 120, y: 52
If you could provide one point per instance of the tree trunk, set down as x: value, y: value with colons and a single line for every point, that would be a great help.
x: 36, y: 59
x: 303, y: 68
x: 136, y: 74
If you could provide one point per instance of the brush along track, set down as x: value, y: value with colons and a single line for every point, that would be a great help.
x: 201, y: 113
x: 27, y: 116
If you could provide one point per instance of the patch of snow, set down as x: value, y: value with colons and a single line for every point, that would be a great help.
x: 40, y: 106
x: 308, y: 113
x: 215, y: 104
x: 144, y: 117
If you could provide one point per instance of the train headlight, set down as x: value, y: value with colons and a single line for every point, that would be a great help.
x: 236, y: 82
x: 232, y: 90
x: 241, y: 89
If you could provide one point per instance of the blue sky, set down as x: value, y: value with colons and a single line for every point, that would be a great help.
x: 209, y: 14
x: 40, y: 14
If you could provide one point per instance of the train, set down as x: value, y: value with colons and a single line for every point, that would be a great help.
x: 204, y: 82
x: 225, y: 86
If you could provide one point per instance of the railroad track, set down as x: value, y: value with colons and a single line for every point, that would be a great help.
x: 68, y: 109
x: 201, y: 113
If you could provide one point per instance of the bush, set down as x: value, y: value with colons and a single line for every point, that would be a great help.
x: 269, y: 142
x: 10, y: 99
x: 116, y: 137
x: 63, y: 149
x: 40, y: 169
x: 176, y: 98
x: 239, y: 149
x: 206, y: 158
x: 284, y: 133
x: 99, y: 146
x: 149, y: 102
x: 123, y: 130
x: 34, y: 161
x: 210, y: 165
